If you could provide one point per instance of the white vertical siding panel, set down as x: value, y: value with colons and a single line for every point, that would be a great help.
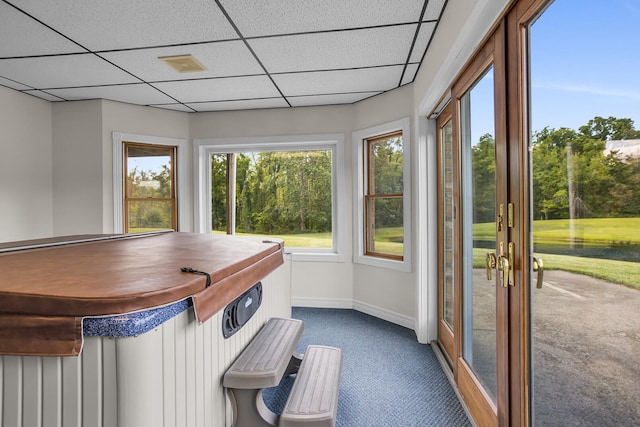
x: 72, y: 391
x: 190, y: 374
x: 110, y: 382
x: 207, y: 377
x: 181, y: 323
x: 13, y: 386
x: 200, y: 375
x: 1, y: 388
x: 169, y: 349
x: 51, y: 392
x: 32, y: 391
x: 140, y: 380
x: 92, y: 387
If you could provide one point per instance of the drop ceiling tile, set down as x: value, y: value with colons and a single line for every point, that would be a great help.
x: 221, y: 59
x: 105, y: 25
x: 43, y: 95
x: 434, y: 9
x: 63, y: 71
x: 246, y: 104
x: 409, y: 74
x: 340, y: 98
x: 21, y: 35
x: 12, y: 84
x: 345, y: 49
x: 140, y: 93
x: 174, y: 107
x: 223, y: 89
x: 260, y: 18
x: 342, y: 81
x: 424, y: 36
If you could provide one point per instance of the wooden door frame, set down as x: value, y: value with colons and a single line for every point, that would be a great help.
x: 446, y: 334
x: 484, y: 411
x: 518, y: 21
x: 506, y: 47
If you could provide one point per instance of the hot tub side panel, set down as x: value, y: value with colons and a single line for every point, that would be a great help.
x: 169, y: 377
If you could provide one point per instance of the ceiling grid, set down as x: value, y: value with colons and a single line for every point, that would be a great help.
x: 275, y: 54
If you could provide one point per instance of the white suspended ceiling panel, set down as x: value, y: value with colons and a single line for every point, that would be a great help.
x: 269, y: 54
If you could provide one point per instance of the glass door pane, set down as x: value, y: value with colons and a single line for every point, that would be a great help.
x: 478, y: 197
x: 447, y: 222
x: 585, y: 214
x: 446, y: 227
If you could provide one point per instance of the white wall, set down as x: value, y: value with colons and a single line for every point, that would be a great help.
x: 388, y: 294
x: 25, y: 167
x: 82, y: 158
x: 77, y: 168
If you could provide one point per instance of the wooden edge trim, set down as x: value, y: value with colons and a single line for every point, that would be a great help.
x: 480, y: 406
x: 212, y: 299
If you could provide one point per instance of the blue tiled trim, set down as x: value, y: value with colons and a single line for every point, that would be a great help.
x: 132, y: 324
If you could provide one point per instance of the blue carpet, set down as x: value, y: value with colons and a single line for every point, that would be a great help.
x: 388, y: 378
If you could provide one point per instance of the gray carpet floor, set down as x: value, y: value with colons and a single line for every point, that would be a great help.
x: 388, y: 378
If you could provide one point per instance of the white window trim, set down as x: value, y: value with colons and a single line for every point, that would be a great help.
x: 118, y: 175
x: 203, y: 148
x: 358, y: 139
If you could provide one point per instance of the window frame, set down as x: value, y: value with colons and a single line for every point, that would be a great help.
x: 204, y: 148
x: 171, y: 151
x: 360, y: 181
x: 371, y: 195
x: 180, y: 176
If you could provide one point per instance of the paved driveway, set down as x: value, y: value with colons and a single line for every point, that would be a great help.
x: 586, y: 352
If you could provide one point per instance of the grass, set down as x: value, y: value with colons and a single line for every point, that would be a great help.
x: 302, y: 240
x: 624, y: 231
x: 593, y: 232
x: 621, y: 272
x: 388, y: 240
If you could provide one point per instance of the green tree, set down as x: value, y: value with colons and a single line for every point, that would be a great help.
x: 388, y: 169
x: 219, y: 192
x: 484, y: 179
x: 573, y: 178
x: 610, y: 129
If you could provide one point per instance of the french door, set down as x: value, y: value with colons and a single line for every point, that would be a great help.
x: 527, y: 347
x: 484, y: 266
x: 482, y: 205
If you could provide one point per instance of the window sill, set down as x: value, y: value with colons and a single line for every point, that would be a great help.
x: 389, y: 264
x: 297, y: 256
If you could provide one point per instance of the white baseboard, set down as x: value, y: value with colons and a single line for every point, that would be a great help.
x: 321, y: 302
x: 381, y: 313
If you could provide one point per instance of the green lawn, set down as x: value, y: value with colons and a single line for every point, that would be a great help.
x: 625, y: 231
x: 594, y: 230
x: 302, y: 240
x: 388, y: 240
x: 620, y: 272
x: 590, y: 232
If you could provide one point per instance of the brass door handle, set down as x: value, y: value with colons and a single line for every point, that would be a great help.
x: 491, y: 264
x: 538, y: 266
x: 505, y: 269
